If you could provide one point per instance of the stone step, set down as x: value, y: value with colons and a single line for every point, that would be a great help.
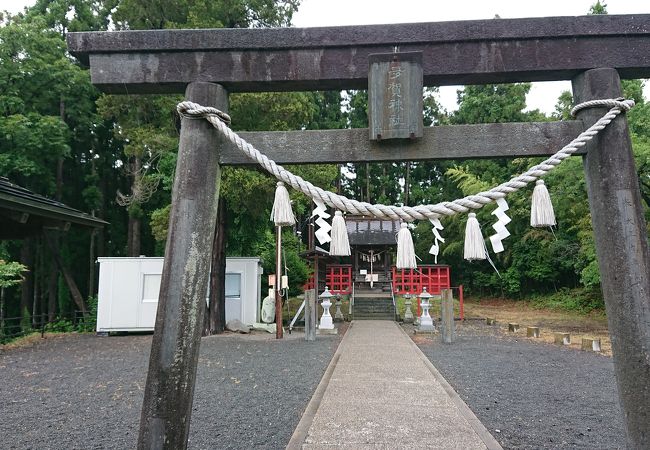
x: 372, y: 311
x: 369, y: 308
x: 373, y: 296
x: 373, y: 301
x: 375, y: 318
x: 358, y: 295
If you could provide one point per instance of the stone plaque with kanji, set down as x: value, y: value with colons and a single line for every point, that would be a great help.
x: 395, y: 96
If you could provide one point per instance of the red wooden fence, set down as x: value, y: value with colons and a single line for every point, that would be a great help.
x: 412, y: 281
x: 433, y: 277
x: 338, y: 279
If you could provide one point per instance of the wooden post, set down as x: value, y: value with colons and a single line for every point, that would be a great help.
x: 316, y: 278
x: 278, y: 283
x: 215, y: 323
x: 310, y: 315
x: 447, y: 313
x: 167, y: 405
x: 622, y: 249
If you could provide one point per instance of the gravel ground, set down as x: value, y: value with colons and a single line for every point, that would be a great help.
x: 538, y: 396
x: 85, y: 392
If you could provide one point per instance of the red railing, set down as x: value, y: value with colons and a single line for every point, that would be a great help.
x: 338, y: 279
x: 433, y: 277
x: 412, y: 281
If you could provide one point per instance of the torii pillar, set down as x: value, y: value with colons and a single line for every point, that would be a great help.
x: 168, y: 395
x: 622, y: 249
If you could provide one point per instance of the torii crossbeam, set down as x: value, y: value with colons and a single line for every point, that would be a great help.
x: 592, y: 51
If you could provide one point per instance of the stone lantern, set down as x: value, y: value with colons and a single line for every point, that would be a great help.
x: 426, y: 323
x: 338, y: 317
x: 326, y: 322
x: 408, y: 314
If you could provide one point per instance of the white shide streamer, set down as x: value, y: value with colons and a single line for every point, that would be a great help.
x: 437, y: 239
x: 500, y: 225
x: 323, y: 231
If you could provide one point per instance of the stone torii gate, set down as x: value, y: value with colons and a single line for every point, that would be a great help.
x: 591, y: 51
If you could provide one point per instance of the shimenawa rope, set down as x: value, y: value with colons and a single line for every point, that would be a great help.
x: 220, y: 121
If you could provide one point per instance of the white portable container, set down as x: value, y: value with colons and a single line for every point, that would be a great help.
x: 128, y: 292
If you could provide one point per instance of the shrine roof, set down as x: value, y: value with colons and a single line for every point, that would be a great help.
x: 370, y: 231
x: 23, y: 212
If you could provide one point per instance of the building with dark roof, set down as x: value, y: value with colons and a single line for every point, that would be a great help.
x: 24, y: 213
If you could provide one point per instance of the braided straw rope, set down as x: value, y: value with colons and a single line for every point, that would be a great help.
x: 221, y: 120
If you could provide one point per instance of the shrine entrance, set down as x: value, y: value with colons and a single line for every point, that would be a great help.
x: 592, y: 51
x: 372, y: 244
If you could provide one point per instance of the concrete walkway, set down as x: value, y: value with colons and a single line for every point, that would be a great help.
x: 381, y: 392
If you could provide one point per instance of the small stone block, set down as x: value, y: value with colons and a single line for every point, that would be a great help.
x: 490, y: 321
x: 514, y: 327
x: 592, y: 345
x: 417, y: 331
x: 532, y: 332
x: 562, y: 338
x: 327, y: 331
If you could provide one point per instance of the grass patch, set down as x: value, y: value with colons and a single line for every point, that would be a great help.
x: 579, y: 300
x: 558, y: 318
x: 31, y: 339
x: 434, y: 310
x: 292, y: 305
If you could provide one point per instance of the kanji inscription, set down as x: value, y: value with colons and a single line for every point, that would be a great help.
x: 395, y: 96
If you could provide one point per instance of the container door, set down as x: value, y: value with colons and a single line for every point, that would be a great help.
x: 150, y: 276
x: 233, y: 296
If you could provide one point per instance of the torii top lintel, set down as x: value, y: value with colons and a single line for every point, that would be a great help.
x: 294, y: 59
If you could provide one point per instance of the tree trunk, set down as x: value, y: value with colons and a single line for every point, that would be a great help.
x: 339, y: 179
x: 368, y: 183
x: 2, y: 311
x: 216, y: 320
x: 27, y: 259
x: 52, y: 289
x: 43, y: 287
x: 36, y: 275
x: 91, y: 263
x: 133, y: 243
x: 134, y: 217
x: 59, y: 162
x: 407, y: 184
x: 72, y: 286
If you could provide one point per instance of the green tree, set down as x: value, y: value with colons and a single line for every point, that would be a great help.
x: 146, y: 15
x: 598, y: 8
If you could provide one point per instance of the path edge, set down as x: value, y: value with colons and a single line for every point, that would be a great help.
x: 490, y: 442
x: 302, y: 429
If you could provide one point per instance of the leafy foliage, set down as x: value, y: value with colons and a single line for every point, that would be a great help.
x: 11, y: 273
x: 115, y: 156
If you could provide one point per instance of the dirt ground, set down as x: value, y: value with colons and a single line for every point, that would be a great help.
x: 549, y: 321
x: 81, y: 391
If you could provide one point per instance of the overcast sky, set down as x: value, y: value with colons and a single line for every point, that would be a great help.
x: 314, y: 13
